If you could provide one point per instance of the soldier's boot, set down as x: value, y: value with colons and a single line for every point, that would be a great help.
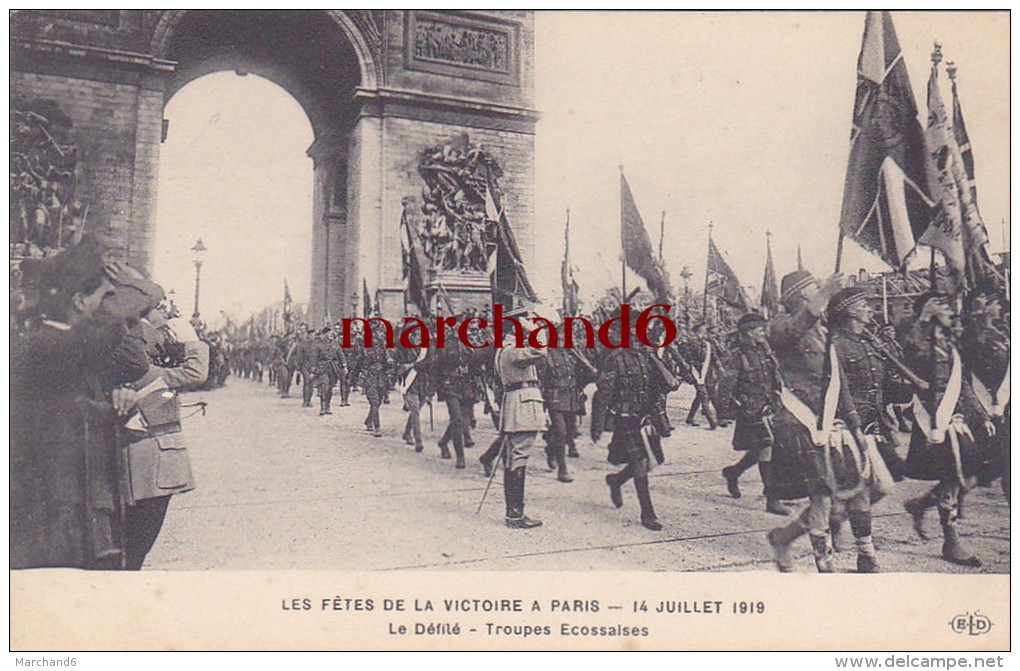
x: 692, y: 416
x: 732, y: 481
x: 561, y: 465
x: 444, y: 451
x: 821, y: 546
x: 710, y: 414
x: 458, y: 448
x: 550, y: 455
x: 322, y: 406
x: 572, y: 448
x: 917, y: 509
x: 776, y: 507
x: 489, y: 456
x: 781, y: 539
x: 953, y: 549
x: 838, y: 535
x: 515, y: 517
x: 959, y: 503
x: 644, y: 496
x: 615, y: 482
x: 860, y: 524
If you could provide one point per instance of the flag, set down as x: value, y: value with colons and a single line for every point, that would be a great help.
x: 415, y: 264
x: 570, y: 288
x: 288, y: 301
x: 769, y: 285
x: 367, y: 298
x: 956, y: 228
x: 982, y: 262
x: 886, y: 200
x: 637, y: 246
x: 507, y: 275
x: 722, y: 281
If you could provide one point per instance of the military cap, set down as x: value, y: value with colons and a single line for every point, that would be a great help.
x: 78, y: 269
x: 844, y: 299
x: 751, y: 320
x: 794, y: 282
x: 325, y: 330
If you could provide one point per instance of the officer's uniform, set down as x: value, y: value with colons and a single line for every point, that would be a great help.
x: 329, y: 366
x: 521, y: 420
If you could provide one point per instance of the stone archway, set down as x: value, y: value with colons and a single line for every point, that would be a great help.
x: 379, y: 87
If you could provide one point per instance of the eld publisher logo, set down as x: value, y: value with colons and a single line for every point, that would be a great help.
x: 974, y: 624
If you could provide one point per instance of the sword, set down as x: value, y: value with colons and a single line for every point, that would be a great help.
x: 495, y: 467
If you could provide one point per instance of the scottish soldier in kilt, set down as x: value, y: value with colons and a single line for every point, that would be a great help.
x: 817, y: 451
x: 756, y: 388
x: 942, y: 445
x: 866, y: 368
x: 628, y: 384
x: 985, y: 351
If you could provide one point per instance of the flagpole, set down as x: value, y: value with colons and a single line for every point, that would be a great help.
x: 704, y: 295
x: 839, y: 250
x: 662, y: 233
x: 623, y: 246
x: 885, y: 300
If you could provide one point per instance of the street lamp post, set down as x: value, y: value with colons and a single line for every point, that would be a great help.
x: 197, y: 257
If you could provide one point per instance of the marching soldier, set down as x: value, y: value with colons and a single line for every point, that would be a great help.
x: 521, y: 420
x: 454, y: 380
x: 628, y: 384
x: 821, y: 460
x: 375, y: 381
x: 866, y: 361
x: 985, y: 350
x: 330, y: 365
x: 416, y: 387
x: 701, y: 359
x: 306, y: 356
x: 942, y: 445
x: 563, y: 375
x: 757, y: 386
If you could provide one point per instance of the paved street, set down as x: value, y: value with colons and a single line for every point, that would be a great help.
x: 281, y: 488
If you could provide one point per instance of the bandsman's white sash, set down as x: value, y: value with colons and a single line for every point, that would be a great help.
x: 701, y: 376
x: 804, y: 414
x: 412, y: 375
x: 948, y: 423
x: 993, y: 403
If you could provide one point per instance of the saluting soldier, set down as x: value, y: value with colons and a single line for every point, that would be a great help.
x: 756, y: 389
x: 521, y: 420
x: 819, y: 459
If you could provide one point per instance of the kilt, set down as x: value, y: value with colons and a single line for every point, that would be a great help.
x: 798, y: 467
x: 927, y: 461
x: 750, y: 432
x: 626, y: 447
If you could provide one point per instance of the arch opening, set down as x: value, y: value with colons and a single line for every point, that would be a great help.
x: 234, y: 172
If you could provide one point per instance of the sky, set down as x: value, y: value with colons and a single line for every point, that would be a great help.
x: 738, y: 119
